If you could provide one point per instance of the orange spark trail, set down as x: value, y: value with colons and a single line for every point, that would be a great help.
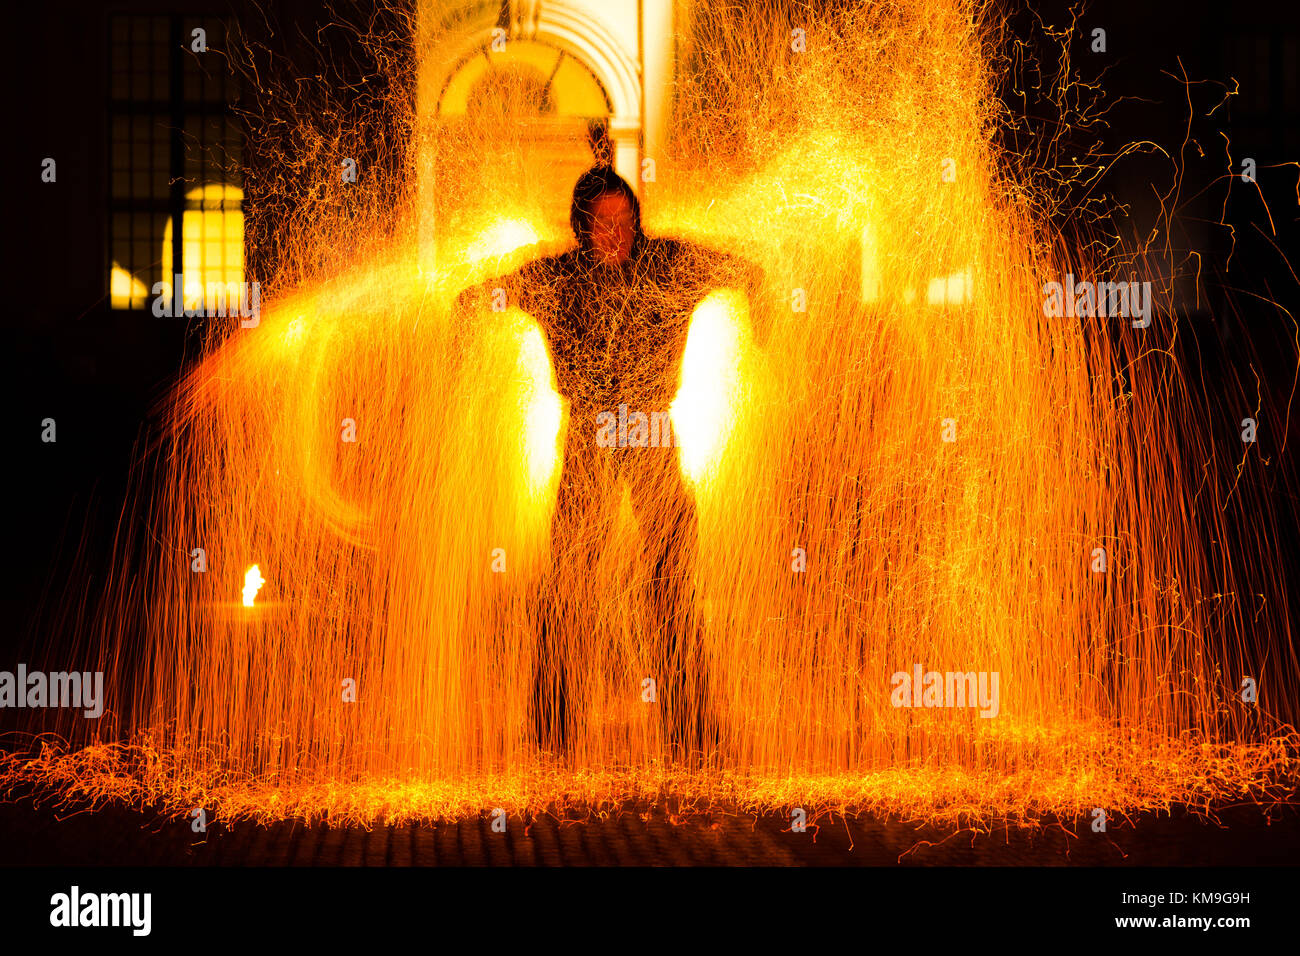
x: 918, y: 468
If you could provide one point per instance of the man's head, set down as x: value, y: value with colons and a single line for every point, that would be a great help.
x: 606, y: 216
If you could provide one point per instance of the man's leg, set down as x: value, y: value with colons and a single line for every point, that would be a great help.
x: 550, y: 691
x: 666, y: 513
x: 550, y: 682
x: 576, y: 537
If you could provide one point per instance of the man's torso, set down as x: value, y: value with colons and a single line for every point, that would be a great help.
x: 617, y: 336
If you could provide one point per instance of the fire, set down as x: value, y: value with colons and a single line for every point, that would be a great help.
x: 502, y: 238
x: 704, y: 410
x: 918, y: 467
x: 253, y: 582
x: 541, y: 411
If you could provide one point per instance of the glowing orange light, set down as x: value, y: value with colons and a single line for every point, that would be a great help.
x: 845, y: 532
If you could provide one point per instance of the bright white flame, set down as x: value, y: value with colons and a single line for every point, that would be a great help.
x: 542, y: 408
x: 703, y: 410
x: 253, y: 582
x: 502, y: 238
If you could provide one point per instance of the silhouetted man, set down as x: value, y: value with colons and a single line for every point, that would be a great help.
x: 616, y: 311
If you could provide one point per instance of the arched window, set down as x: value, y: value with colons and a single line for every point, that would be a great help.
x: 527, y: 74
x: 530, y: 115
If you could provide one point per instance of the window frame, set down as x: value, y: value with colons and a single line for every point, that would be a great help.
x: 175, y: 110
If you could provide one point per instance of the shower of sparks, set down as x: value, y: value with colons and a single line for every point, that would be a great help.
x: 924, y: 322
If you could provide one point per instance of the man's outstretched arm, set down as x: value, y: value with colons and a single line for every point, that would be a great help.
x: 730, y: 271
x: 499, y: 293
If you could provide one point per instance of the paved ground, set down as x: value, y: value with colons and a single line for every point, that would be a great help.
x: 1244, y: 836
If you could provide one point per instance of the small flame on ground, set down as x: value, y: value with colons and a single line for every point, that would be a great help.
x: 253, y: 582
